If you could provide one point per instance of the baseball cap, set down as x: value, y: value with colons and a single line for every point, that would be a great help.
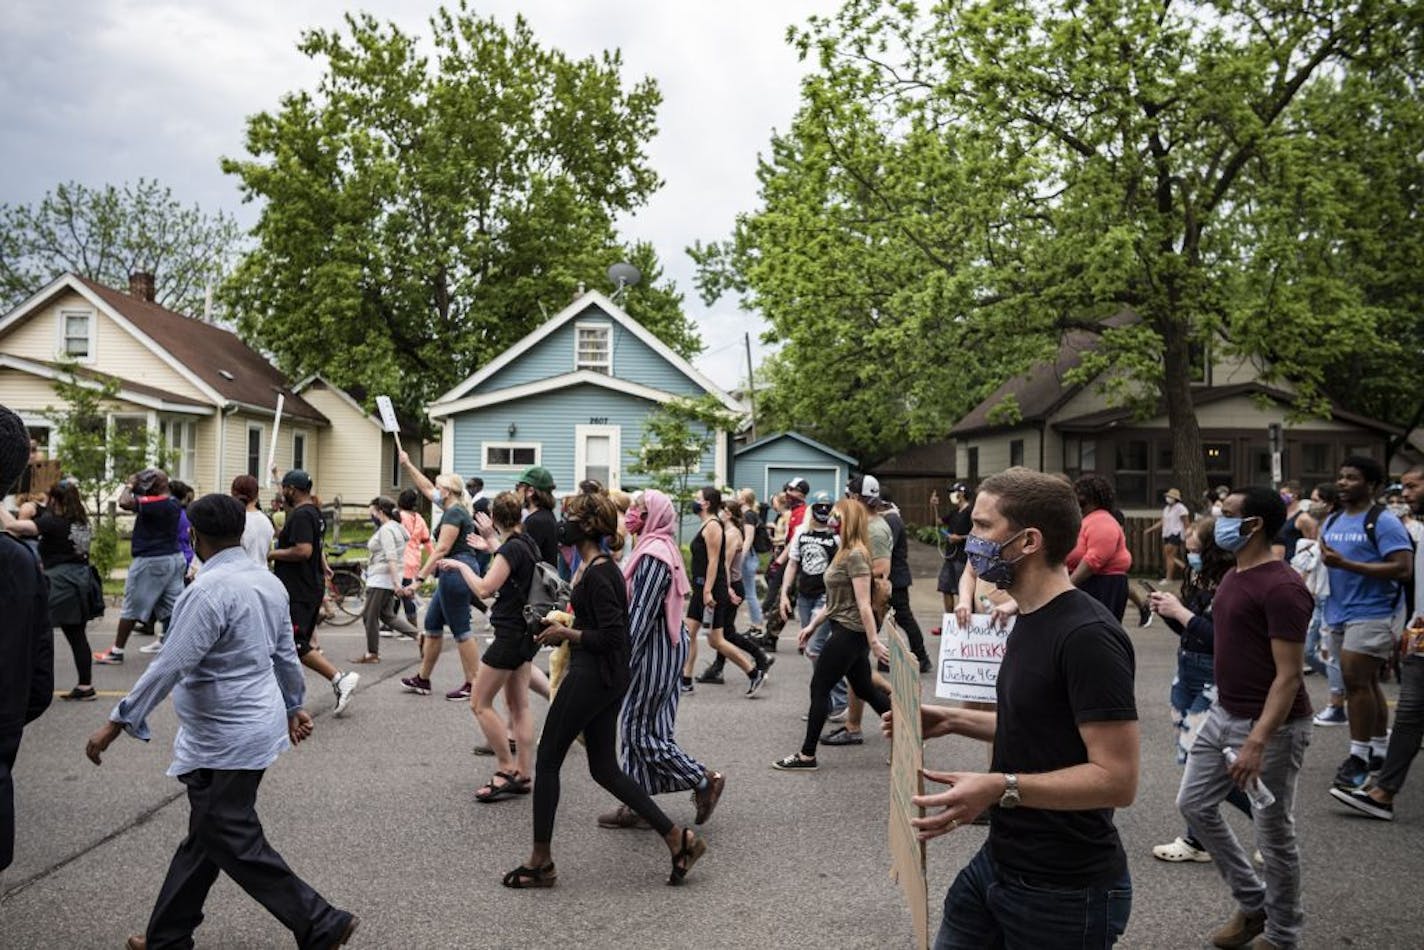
x: 866, y: 486
x: 297, y: 478
x: 960, y: 487
x: 799, y: 485
x: 537, y: 476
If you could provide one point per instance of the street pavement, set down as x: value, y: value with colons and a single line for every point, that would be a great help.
x: 377, y: 811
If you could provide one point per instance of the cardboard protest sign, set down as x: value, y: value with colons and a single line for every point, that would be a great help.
x: 969, y: 658
x: 388, y: 414
x: 907, y: 759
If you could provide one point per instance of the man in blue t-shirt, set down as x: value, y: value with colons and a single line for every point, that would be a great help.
x: 1369, y: 555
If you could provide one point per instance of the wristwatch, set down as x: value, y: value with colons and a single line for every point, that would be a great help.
x: 1010, y: 797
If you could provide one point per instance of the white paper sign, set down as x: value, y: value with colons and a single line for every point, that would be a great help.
x: 388, y: 414
x: 969, y: 658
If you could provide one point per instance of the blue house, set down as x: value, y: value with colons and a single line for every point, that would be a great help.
x: 771, y: 462
x: 571, y: 396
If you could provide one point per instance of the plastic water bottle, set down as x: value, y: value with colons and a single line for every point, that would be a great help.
x: 1256, y: 790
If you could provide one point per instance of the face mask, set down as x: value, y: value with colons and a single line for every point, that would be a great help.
x: 1286, y: 497
x: 987, y: 558
x: 1194, y: 560
x: 695, y: 506
x: 633, y: 521
x: 1399, y: 510
x: 571, y: 533
x: 955, y: 498
x: 375, y: 521
x: 834, y: 524
x: 438, y: 497
x: 1228, y: 534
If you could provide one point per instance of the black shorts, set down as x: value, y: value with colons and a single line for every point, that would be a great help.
x: 950, y: 573
x: 510, y: 650
x: 305, y: 617
x: 1173, y: 539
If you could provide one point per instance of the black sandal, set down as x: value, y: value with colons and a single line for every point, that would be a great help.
x: 525, y: 877
x: 693, y: 848
x: 514, y: 784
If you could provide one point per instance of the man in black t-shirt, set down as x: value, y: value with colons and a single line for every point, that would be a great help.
x: 299, y: 563
x: 1065, y: 741
x: 536, y: 485
x: 954, y: 528
x: 900, y: 581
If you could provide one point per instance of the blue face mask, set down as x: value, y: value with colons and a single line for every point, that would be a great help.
x: 987, y: 558
x: 1194, y: 560
x: 1228, y: 533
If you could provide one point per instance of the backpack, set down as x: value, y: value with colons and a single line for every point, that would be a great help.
x: 547, y: 591
x: 1401, y: 589
x: 761, y: 538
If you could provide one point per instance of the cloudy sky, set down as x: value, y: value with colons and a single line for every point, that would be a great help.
x: 108, y: 91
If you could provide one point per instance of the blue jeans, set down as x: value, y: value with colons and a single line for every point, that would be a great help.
x: 1329, y: 668
x: 450, y: 607
x: 750, y: 565
x: 806, y: 608
x: 990, y: 907
x: 1193, y: 690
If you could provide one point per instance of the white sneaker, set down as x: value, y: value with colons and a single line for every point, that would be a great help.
x: 155, y: 647
x: 345, y: 687
x: 1179, y: 851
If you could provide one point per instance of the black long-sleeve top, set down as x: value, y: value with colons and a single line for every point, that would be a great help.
x: 26, y: 639
x: 600, y: 602
x: 1199, y: 634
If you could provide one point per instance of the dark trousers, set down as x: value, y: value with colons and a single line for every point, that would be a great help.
x: 225, y: 835
x: 584, y: 705
x: 79, y: 646
x: 905, y: 618
x: 846, y: 654
x: 992, y: 907
x: 1408, y: 725
x: 9, y: 748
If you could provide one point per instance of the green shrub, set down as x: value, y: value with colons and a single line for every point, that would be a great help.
x: 104, y: 546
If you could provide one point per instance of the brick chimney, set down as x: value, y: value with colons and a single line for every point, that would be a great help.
x: 141, y: 285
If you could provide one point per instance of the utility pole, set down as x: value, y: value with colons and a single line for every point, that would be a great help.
x: 751, y: 383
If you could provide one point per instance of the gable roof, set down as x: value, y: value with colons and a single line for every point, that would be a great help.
x: 355, y: 397
x: 199, y: 352
x: 804, y: 440
x: 550, y: 384
x: 591, y: 298
x: 1040, y: 391
x: 925, y: 460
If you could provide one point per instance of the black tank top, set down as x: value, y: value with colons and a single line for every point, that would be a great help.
x: 699, y: 558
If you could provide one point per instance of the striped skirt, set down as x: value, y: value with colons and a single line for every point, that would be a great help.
x: 650, y: 754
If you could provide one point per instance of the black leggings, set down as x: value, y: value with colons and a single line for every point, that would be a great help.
x: 584, y: 705
x: 905, y: 617
x: 846, y: 654
x: 79, y: 646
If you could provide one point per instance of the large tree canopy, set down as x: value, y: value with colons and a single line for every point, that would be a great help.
x: 422, y: 214
x: 108, y: 233
x: 970, y: 182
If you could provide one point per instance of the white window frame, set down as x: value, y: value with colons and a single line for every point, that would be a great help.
x: 111, y: 430
x: 485, y: 447
x: 615, y: 452
x: 299, y: 434
x: 607, y: 328
x: 261, y: 431
x: 186, y: 468
x: 62, y: 336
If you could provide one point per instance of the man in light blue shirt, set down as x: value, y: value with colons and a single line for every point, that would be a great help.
x: 231, y: 664
x: 1369, y: 555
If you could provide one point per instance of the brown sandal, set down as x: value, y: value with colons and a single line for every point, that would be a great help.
x: 692, y: 848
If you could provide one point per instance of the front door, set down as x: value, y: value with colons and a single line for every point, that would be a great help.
x: 596, y: 452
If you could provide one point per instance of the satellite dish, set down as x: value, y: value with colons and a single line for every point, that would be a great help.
x: 623, y: 275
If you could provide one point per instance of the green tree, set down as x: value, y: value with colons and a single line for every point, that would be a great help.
x: 973, y: 181
x: 108, y: 233
x: 676, y: 438
x: 422, y: 213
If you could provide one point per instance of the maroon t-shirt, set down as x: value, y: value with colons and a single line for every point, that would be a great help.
x: 1251, y: 609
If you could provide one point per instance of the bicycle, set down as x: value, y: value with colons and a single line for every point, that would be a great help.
x: 345, y: 590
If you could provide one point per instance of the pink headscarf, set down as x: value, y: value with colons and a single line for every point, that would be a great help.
x: 658, y: 541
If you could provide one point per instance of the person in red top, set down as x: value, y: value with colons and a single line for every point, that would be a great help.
x: 796, y: 491
x: 1100, y: 561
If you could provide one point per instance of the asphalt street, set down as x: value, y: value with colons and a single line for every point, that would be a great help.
x: 377, y: 812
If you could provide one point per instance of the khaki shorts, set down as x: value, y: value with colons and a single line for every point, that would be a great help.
x: 1371, y: 637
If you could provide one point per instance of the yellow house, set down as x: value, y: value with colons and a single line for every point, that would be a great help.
x: 208, y: 395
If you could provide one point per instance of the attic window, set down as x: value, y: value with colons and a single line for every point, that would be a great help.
x: 225, y: 374
x: 593, y: 347
x: 76, y: 329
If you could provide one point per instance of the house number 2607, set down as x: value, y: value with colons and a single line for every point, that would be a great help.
x: 598, y: 420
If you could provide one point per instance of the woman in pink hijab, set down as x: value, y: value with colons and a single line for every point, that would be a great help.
x: 657, y: 600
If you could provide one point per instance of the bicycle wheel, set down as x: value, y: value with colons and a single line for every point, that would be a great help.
x: 348, y: 597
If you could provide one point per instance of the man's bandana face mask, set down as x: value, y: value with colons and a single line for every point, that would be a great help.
x: 987, y: 558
